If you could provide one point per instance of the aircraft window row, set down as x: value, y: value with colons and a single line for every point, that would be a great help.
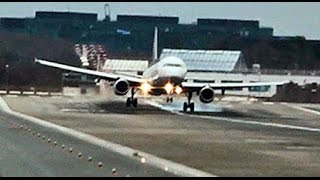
x: 173, y: 65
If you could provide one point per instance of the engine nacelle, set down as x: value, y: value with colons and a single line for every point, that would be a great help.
x: 121, y: 87
x: 206, y: 94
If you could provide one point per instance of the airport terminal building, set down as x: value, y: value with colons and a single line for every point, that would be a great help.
x: 125, y: 34
x: 131, y: 36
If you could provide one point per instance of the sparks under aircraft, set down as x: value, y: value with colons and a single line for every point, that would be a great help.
x: 164, y: 77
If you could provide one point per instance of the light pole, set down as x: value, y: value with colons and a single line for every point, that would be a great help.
x: 62, y: 80
x: 259, y: 81
x: 7, y: 79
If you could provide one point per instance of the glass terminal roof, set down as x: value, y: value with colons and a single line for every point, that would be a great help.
x: 207, y: 60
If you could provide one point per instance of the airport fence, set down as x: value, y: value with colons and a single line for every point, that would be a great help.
x: 287, y: 72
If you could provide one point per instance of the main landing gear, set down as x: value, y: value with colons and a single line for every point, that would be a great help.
x: 188, y: 104
x: 132, y: 100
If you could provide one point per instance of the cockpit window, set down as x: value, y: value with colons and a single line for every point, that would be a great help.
x: 172, y: 65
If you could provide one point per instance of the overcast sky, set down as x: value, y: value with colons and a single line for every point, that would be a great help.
x: 287, y: 18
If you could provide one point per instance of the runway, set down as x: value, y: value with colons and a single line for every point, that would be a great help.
x: 235, y: 139
x: 30, y: 150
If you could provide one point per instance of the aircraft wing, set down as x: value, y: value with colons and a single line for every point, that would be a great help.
x: 134, y: 81
x: 191, y: 86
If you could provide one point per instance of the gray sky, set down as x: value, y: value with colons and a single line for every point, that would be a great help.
x: 287, y: 18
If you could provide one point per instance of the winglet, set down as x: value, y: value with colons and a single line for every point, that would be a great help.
x: 36, y: 60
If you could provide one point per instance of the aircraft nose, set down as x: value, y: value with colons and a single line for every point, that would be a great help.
x: 176, y: 72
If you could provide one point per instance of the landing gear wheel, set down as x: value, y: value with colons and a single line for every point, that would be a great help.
x: 135, y: 102
x: 128, y: 102
x: 169, y: 99
x: 185, y: 107
x: 132, y: 100
x: 192, y: 107
x: 188, y: 104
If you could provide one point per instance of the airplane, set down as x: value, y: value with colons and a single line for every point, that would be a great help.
x: 163, y: 77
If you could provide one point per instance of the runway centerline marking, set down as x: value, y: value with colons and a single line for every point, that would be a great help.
x: 278, y: 125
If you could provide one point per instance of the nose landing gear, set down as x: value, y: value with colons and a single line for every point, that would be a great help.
x: 169, y: 99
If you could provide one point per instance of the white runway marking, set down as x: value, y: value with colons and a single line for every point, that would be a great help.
x: 75, y: 110
x: 268, y: 103
x: 302, y: 108
x: 278, y: 125
x: 266, y: 141
x: 302, y: 148
x: 28, y: 92
x: 178, y: 169
x: 14, y: 92
x: 13, y: 96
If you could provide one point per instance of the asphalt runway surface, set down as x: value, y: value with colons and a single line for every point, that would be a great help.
x: 27, y: 149
x: 225, y: 139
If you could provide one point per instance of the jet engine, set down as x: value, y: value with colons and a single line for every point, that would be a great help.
x: 206, y: 94
x: 121, y: 87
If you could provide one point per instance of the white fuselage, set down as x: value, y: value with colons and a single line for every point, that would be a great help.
x: 168, y: 70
